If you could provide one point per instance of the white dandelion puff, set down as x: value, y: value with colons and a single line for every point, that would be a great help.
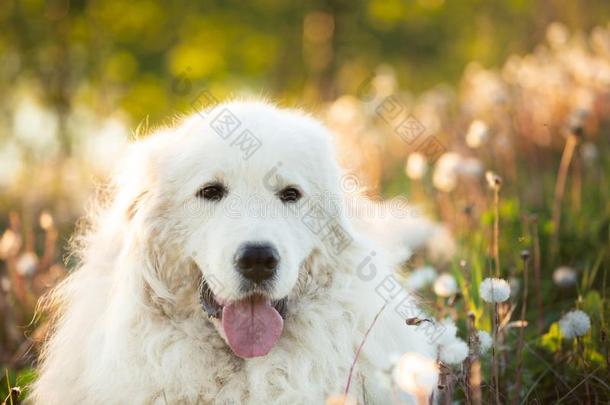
x: 417, y: 166
x: 451, y: 349
x: 564, y: 276
x: 416, y: 374
x: 493, y: 180
x: 46, y: 220
x: 485, y: 341
x: 10, y: 243
x: 445, y: 285
x: 26, y: 264
x: 445, y: 171
x: 454, y: 352
x: 477, y: 134
x: 449, y: 331
x: 494, y: 290
x: 574, y: 324
x: 421, y: 278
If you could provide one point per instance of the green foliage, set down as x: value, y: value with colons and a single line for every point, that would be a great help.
x: 21, y: 379
x: 130, y: 53
x: 551, y: 340
x: 145, y: 60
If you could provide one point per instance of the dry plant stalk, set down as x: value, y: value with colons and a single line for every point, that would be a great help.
x: 560, y: 186
x: 496, y: 249
x: 472, y: 365
x: 364, y: 338
x: 494, y: 354
x: 516, y: 394
x: 538, y: 276
x: 495, y: 183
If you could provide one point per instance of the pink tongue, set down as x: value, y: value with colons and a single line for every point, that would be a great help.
x: 252, y: 326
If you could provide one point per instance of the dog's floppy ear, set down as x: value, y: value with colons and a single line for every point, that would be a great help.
x: 136, y: 174
x: 137, y: 204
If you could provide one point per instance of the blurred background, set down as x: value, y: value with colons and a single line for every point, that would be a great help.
x: 424, y: 96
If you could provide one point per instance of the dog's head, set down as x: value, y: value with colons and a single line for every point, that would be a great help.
x: 246, y: 193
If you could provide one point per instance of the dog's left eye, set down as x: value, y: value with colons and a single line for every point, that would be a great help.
x: 213, y: 192
x: 289, y: 194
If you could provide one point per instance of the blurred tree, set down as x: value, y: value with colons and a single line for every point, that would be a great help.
x: 150, y: 57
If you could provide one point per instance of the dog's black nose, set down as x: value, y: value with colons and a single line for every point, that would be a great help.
x: 257, y: 262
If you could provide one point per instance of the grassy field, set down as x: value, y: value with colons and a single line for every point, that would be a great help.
x: 514, y: 161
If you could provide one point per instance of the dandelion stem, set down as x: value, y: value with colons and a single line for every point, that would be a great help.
x: 537, y: 276
x: 560, y: 185
x: 496, y: 250
x: 472, y: 365
x: 8, y: 385
x: 517, y: 392
x: 580, y: 347
x: 494, y: 354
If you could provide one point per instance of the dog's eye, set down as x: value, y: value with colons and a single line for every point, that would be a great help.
x: 213, y: 192
x: 289, y: 194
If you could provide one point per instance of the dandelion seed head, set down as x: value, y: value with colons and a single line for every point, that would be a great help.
x: 26, y: 264
x: 564, y: 277
x: 445, y: 172
x: 449, y: 331
x: 445, y: 285
x: 493, y: 180
x: 525, y: 254
x: 46, y: 220
x: 10, y: 243
x: 453, y: 353
x: 417, y: 166
x: 494, y: 290
x: 421, y: 278
x: 477, y: 134
x: 574, y: 324
x: 416, y: 374
x: 485, y: 341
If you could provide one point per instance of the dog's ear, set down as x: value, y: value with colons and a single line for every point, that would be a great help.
x: 136, y: 174
x: 140, y: 204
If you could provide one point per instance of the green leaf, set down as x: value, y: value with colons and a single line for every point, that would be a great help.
x: 552, y: 339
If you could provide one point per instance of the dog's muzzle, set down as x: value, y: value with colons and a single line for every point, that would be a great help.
x: 252, y: 325
x: 214, y: 309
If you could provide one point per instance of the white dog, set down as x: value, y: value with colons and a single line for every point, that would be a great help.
x: 227, y: 269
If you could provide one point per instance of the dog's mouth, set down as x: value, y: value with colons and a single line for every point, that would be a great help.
x: 252, y: 325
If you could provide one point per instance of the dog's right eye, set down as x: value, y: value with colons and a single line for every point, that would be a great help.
x: 213, y: 192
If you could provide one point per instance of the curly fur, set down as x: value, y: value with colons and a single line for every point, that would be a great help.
x: 130, y: 327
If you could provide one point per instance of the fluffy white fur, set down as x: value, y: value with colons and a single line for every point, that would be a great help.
x: 131, y: 327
